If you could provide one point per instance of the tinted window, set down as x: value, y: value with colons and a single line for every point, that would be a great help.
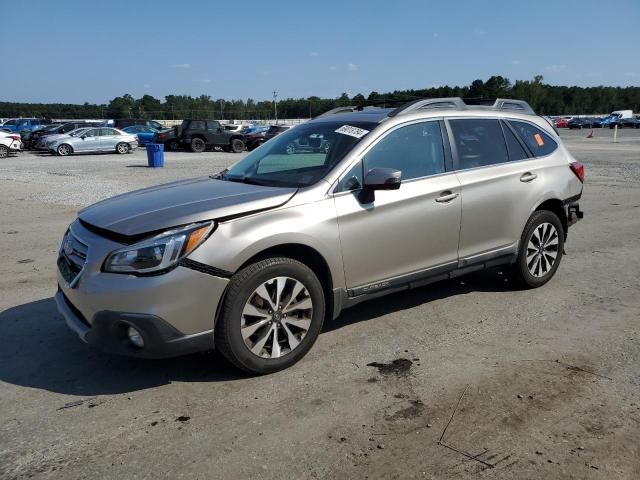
x: 416, y: 150
x: 213, y: 125
x: 538, y: 141
x: 479, y: 143
x: 92, y: 133
x: 197, y: 125
x: 516, y: 150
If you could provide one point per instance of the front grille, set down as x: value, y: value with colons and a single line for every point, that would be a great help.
x: 72, y: 258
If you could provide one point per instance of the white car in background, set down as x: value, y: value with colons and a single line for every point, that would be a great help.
x: 9, y: 143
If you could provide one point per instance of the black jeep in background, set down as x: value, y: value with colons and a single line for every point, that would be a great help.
x: 200, y: 135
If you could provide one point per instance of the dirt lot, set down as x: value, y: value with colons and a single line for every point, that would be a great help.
x: 551, y: 377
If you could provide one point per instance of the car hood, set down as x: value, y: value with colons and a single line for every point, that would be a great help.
x: 180, y: 203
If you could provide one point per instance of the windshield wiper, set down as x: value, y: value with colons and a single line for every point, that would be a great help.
x: 243, y: 179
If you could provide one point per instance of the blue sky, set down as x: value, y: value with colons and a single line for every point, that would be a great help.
x: 77, y: 51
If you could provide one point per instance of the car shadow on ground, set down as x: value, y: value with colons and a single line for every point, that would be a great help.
x: 37, y: 350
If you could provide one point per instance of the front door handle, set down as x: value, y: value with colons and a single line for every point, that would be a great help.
x: 446, y: 197
x: 528, y: 177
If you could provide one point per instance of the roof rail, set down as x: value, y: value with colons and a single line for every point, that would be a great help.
x: 333, y: 111
x: 456, y: 103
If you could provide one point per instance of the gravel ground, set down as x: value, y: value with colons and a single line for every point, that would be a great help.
x: 545, y: 381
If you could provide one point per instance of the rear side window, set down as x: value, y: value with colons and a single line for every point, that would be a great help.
x: 213, y: 125
x: 479, y: 142
x: 196, y: 125
x: 539, y: 142
x: 516, y: 150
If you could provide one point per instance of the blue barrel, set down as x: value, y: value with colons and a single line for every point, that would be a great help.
x: 155, y: 155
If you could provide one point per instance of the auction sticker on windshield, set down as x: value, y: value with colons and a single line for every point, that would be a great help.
x: 352, y: 131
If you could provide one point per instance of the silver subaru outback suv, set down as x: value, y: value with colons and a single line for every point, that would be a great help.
x: 354, y: 204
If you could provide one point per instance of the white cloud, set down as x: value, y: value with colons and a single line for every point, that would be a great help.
x: 478, y: 31
x: 314, y: 54
x: 352, y: 67
x: 182, y: 65
x: 557, y: 68
x: 333, y: 68
x: 516, y: 62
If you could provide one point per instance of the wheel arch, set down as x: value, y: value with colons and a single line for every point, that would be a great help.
x: 556, y: 206
x: 307, y: 255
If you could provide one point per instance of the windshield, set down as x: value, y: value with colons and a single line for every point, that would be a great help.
x: 301, y: 156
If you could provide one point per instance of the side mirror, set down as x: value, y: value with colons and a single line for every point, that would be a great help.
x: 379, y: 179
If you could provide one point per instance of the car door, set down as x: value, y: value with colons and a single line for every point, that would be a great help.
x: 501, y: 183
x: 89, y: 141
x: 406, y: 233
x: 215, y: 133
x: 108, y: 139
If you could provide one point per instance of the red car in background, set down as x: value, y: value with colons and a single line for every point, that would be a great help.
x: 562, y: 123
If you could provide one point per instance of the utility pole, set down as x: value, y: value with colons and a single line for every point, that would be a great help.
x: 275, y: 105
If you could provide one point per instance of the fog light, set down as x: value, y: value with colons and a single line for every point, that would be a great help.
x: 135, y: 337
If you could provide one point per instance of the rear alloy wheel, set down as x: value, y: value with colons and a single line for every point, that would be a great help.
x: 64, y: 150
x: 122, y: 148
x: 4, y: 151
x: 541, y: 249
x: 237, y: 145
x: 198, y: 145
x: 272, y: 315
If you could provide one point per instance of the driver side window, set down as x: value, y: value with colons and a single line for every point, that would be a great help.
x: 416, y: 150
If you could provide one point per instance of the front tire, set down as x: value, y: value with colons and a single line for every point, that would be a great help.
x: 122, y: 148
x: 540, y: 251
x: 4, y: 151
x: 64, y: 150
x: 272, y: 315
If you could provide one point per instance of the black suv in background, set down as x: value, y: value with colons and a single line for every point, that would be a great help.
x: 198, y: 135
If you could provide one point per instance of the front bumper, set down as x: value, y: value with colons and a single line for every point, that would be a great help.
x: 108, y: 332
x: 174, y: 312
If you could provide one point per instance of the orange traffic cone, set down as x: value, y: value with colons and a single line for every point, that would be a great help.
x: 590, y: 134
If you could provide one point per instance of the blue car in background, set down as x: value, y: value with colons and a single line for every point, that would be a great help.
x: 145, y: 134
x: 19, y: 125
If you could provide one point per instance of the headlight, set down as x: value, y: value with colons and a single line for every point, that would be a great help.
x: 160, y: 252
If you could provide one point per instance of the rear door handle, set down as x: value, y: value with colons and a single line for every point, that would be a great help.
x: 446, y: 197
x: 528, y: 177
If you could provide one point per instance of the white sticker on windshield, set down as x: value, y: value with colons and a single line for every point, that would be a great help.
x: 352, y: 131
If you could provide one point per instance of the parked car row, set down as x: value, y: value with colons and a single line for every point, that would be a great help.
x: 618, y: 118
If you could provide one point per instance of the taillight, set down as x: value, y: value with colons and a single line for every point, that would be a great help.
x: 578, y: 169
x: 15, y: 137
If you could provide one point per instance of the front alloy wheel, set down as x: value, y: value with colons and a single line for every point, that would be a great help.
x: 64, y: 150
x: 272, y: 314
x: 276, y: 317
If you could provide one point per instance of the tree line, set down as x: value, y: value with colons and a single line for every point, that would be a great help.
x: 544, y: 98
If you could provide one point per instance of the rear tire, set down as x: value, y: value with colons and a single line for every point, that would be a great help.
x: 237, y: 145
x: 198, y: 145
x: 266, y: 340
x: 122, y: 148
x: 4, y: 151
x: 540, y: 251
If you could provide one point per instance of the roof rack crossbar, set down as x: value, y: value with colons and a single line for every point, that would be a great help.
x: 456, y: 103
